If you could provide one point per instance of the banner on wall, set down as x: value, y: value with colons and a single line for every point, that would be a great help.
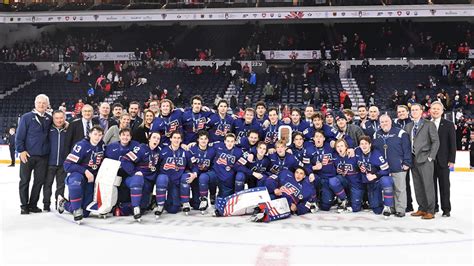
x: 290, y: 13
x: 292, y: 54
x: 109, y: 56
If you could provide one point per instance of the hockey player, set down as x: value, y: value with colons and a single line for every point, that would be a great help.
x: 82, y: 165
x: 221, y: 123
x: 296, y: 188
x: 242, y: 126
x: 228, y: 165
x: 261, y: 113
x: 372, y: 124
x: 347, y: 167
x: 169, y: 121
x: 318, y: 124
x: 375, y: 173
x: 257, y: 169
x: 300, y: 149
x: 270, y: 133
x: 329, y: 182
x: 296, y: 124
x: 141, y: 164
x: 202, y: 156
x: 194, y: 119
x: 282, y: 160
x: 172, y: 177
x: 116, y: 151
x: 248, y: 144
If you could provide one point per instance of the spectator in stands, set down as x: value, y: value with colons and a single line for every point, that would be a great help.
x: 216, y: 101
x: 426, y: 102
x: 469, y: 101
x: 269, y: 92
x: 78, y: 107
x: 253, y: 80
x: 285, y: 112
x: 292, y: 82
x: 365, y: 64
x: 233, y: 103
x: 394, y: 99
x: 33, y: 145
x: 307, y: 96
x: 372, y: 84
x: 317, y: 97
x: 10, y: 140
x: 112, y: 135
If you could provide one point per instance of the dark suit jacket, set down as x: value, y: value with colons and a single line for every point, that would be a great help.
x: 447, y: 143
x: 75, y: 133
x: 135, y: 123
x: 425, y: 142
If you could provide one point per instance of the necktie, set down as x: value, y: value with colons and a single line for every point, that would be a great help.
x: 88, y: 129
x: 415, y: 129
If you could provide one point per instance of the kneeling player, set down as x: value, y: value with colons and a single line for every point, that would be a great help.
x: 228, y: 165
x: 375, y: 172
x: 172, y: 176
x: 82, y: 165
x: 322, y: 162
x: 202, y: 155
x: 141, y: 164
x: 257, y: 169
x: 296, y: 189
x: 347, y: 167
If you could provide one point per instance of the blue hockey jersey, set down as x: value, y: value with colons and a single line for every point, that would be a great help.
x: 201, y: 159
x: 142, y: 159
x: 165, y: 125
x: 219, y: 127
x: 371, y: 163
x: 84, y: 156
x: 192, y: 123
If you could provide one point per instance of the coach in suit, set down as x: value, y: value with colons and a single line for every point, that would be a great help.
x: 425, y: 145
x: 78, y: 128
x: 445, y: 158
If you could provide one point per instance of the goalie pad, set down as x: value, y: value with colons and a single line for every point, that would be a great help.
x: 242, y: 202
x: 105, y: 188
x: 273, y: 210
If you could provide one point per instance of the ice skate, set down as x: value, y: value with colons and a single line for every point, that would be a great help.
x: 186, y: 208
x: 343, y: 207
x: 78, y: 215
x: 216, y: 213
x: 386, y: 212
x: 103, y: 216
x: 137, y: 215
x: 61, y: 202
x: 213, y: 199
x: 314, y: 207
x: 158, y: 210
x: 203, y: 205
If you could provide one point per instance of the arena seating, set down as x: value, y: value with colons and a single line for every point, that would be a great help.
x: 390, y: 78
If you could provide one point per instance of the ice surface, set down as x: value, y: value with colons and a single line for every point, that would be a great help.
x: 324, y: 237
